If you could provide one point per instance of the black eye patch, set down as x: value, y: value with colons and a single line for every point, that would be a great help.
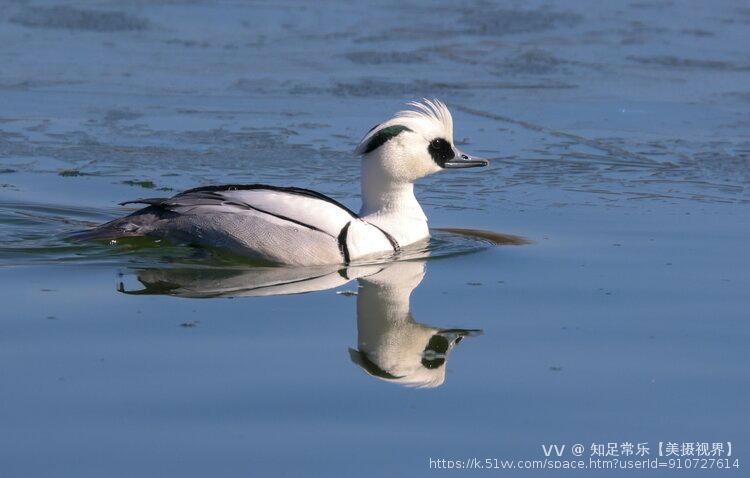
x: 441, y: 151
x: 380, y: 138
x: 434, y: 354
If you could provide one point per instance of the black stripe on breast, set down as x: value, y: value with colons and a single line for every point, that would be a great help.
x: 391, y: 239
x: 370, y: 367
x: 342, y: 242
x: 291, y: 190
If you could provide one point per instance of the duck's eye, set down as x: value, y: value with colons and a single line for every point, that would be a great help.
x: 441, y: 151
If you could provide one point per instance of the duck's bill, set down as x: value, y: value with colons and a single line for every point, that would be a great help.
x: 463, y: 160
x: 455, y: 333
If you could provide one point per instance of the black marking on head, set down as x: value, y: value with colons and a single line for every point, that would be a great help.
x: 342, y: 242
x: 433, y: 363
x: 441, y: 151
x: 382, y: 136
x: 434, y: 353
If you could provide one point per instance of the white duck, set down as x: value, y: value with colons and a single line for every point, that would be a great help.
x: 289, y: 225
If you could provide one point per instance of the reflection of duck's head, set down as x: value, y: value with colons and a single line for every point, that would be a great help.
x: 392, y: 346
x: 409, y: 361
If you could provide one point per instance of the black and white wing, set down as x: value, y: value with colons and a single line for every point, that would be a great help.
x: 302, y: 207
x: 268, y: 223
x: 274, y: 224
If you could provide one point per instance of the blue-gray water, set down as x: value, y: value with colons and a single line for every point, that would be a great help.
x: 619, y: 139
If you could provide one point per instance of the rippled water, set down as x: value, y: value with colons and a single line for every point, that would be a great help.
x: 618, y: 134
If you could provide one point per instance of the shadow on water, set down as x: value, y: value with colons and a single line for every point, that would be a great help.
x: 496, y: 238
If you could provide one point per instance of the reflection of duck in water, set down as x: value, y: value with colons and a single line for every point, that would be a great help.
x: 392, y: 346
x: 254, y: 282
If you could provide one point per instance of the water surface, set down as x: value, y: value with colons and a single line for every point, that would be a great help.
x: 618, y: 135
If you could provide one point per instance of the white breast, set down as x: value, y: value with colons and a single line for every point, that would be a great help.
x: 366, y: 241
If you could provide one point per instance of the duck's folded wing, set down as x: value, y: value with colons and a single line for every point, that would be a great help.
x: 299, y: 206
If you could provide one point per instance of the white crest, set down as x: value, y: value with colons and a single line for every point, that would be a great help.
x: 431, y: 110
x: 431, y: 115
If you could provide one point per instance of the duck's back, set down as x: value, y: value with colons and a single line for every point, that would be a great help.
x: 283, y: 225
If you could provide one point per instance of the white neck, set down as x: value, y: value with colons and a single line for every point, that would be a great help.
x: 391, y: 205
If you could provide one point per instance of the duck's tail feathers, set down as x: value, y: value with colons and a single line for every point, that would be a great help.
x: 149, y: 201
x: 105, y: 232
x: 137, y: 224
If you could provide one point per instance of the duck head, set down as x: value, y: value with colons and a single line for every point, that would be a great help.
x: 413, y: 144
